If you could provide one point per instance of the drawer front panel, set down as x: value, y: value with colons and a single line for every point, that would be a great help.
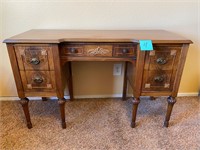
x: 34, y: 57
x: 158, y: 81
x: 125, y: 50
x: 38, y: 80
x: 72, y: 50
x: 163, y: 58
x: 98, y: 50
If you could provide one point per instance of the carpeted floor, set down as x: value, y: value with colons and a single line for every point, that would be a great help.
x: 101, y: 124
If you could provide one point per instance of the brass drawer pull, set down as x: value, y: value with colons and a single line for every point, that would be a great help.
x: 161, y: 61
x: 38, y: 79
x: 159, y: 79
x: 34, y: 61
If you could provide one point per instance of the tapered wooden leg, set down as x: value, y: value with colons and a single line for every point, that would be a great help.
x: 24, y: 103
x: 61, y: 103
x: 44, y: 99
x: 125, y: 82
x: 171, y: 101
x: 135, y: 101
x: 70, y: 82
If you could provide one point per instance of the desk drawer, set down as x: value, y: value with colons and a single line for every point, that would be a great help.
x: 38, y: 80
x: 34, y: 57
x: 98, y: 50
x: 86, y: 49
x: 163, y: 58
x: 158, y: 80
x: 126, y: 50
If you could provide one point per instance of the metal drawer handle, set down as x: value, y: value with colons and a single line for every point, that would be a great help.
x: 159, y: 79
x: 161, y: 61
x: 73, y: 50
x: 34, y: 61
x: 124, y: 51
x: 38, y: 79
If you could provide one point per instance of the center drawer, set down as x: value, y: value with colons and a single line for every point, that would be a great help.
x: 98, y: 49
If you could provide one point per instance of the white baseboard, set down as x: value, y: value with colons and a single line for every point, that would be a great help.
x: 9, y: 98
x: 188, y: 94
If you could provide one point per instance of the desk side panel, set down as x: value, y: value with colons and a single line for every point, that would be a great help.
x: 15, y: 69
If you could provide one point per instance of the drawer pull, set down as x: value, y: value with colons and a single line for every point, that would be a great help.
x: 73, y: 50
x: 124, y: 51
x: 34, y: 61
x: 159, y: 79
x: 38, y: 79
x: 161, y: 61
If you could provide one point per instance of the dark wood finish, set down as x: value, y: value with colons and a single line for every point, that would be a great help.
x: 135, y: 101
x: 70, y: 81
x: 58, y: 71
x: 125, y: 50
x: 15, y: 69
x: 125, y: 82
x: 171, y: 101
x: 58, y: 36
x: 160, y: 68
x: 180, y: 67
x: 39, y: 59
x: 44, y: 98
x: 34, y: 57
x: 24, y: 103
x: 61, y: 103
x: 59, y: 85
x: 38, y: 80
x: 152, y: 98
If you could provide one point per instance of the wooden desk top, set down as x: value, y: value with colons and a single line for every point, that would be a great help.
x: 58, y: 35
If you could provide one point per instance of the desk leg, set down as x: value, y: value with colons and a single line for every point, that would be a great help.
x: 70, y: 82
x: 171, y: 101
x: 61, y: 102
x: 24, y: 103
x: 125, y: 82
x: 44, y: 99
x: 135, y: 101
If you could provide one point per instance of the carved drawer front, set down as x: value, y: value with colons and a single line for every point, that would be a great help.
x: 126, y: 50
x: 34, y: 57
x: 158, y: 80
x: 162, y: 58
x: 97, y: 50
x: 38, y: 80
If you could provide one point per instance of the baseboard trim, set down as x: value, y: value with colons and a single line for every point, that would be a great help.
x: 9, y: 98
x: 188, y: 94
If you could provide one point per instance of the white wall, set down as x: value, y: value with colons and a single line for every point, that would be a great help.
x: 180, y: 16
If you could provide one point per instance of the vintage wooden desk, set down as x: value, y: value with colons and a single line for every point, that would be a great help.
x: 39, y: 58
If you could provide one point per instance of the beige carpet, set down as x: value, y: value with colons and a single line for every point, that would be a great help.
x: 101, y: 124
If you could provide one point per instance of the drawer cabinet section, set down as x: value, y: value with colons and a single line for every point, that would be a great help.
x: 160, y: 67
x: 38, y: 80
x: 34, y: 57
